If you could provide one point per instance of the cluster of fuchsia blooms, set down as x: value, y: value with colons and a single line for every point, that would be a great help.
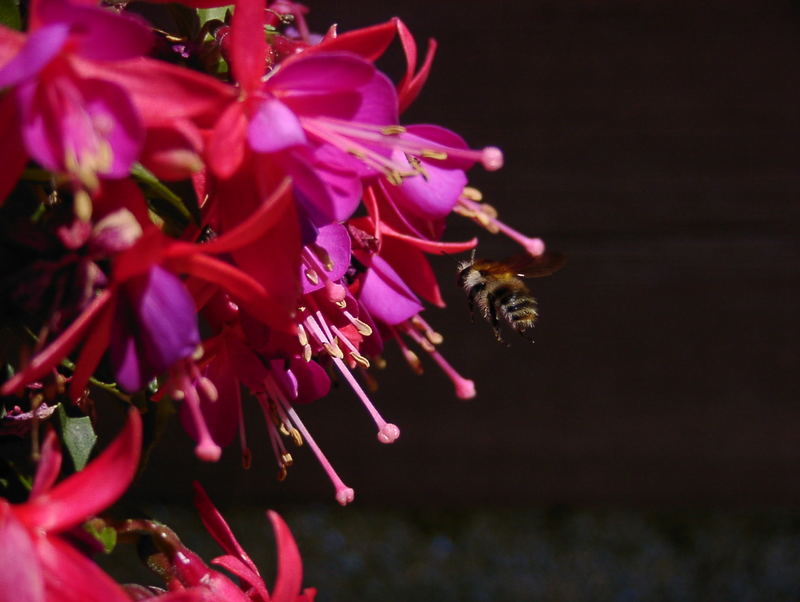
x: 172, y: 169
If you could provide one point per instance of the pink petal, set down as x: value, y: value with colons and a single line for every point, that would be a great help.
x: 96, y: 487
x: 274, y: 127
x: 21, y: 576
x: 71, y: 577
x: 384, y: 294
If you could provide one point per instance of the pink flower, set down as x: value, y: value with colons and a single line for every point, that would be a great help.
x: 36, y: 562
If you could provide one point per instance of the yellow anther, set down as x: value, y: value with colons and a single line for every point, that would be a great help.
x: 379, y: 361
x: 472, y: 194
x: 432, y: 154
x: 362, y: 327
x: 286, y: 459
x: 307, y: 353
x: 341, y: 304
x: 333, y: 349
x: 297, y: 437
x: 359, y: 358
x: 394, y: 177
x: 393, y: 130
x: 312, y: 276
x: 284, y: 430
x: 301, y: 335
x: 282, y: 473
x: 356, y: 153
x: 82, y: 205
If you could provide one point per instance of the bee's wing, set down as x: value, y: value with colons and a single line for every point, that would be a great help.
x: 526, y: 265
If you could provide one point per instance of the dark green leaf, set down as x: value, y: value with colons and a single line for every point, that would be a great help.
x: 78, y: 436
x: 9, y: 14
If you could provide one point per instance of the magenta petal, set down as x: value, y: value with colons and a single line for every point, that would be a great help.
x: 20, y: 573
x: 40, y: 47
x: 321, y: 74
x: 313, y: 382
x: 432, y: 196
x: 379, y: 104
x: 385, y: 296
x: 155, y: 326
x: 88, y: 118
x: 336, y: 241
x: 97, y: 33
x: 274, y: 127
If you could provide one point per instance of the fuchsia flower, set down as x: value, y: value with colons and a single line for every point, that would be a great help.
x: 288, y: 584
x: 36, y: 562
x: 145, y: 314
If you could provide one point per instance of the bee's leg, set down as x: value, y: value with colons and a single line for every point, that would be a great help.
x: 472, y: 297
x: 492, y: 307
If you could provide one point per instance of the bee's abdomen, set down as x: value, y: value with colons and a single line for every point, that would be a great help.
x: 516, y: 304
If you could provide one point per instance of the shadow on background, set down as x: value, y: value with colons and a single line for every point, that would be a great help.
x: 657, y: 145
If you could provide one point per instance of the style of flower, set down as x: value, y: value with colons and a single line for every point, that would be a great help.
x: 37, y: 563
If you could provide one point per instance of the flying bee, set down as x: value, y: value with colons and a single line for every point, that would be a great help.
x: 496, y: 288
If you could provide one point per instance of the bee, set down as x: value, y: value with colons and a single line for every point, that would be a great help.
x: 497, y: 289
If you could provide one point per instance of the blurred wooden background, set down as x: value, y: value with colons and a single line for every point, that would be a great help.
x: 658, y: 145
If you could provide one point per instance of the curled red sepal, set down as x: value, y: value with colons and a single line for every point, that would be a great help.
x: 409, y: 87
x: 368, y: 42
x: 290, y: 565
x: 51, y: 355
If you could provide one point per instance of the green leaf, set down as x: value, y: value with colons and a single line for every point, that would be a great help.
x: 107, y: 536
x: 208, y: 14
x: 9, y: 14
x: 163, y: 201
x: 78, y: 436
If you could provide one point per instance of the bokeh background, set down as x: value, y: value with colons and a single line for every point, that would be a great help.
x: 647, y: 446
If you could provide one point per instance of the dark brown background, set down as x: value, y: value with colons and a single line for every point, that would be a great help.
x: 657, y: 144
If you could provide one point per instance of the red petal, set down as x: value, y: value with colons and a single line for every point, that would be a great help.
x: 94, y: 488
x: 10, y: 43
x: 71, y: 577
x: 92, y: 351
x: 216, y: 525
x: 11, y: 147
x: 49, y: 465
x: 160, y: 91
x: 226, y: 148
x: 247, y: 290
x: 248, y: 47
x: 413, y: 269
x: 254, y: 227
x: 367, y: 42
x: 245, y: 573
x: 431, y: 246
x: 50, y: 356
x: 290, y: 565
